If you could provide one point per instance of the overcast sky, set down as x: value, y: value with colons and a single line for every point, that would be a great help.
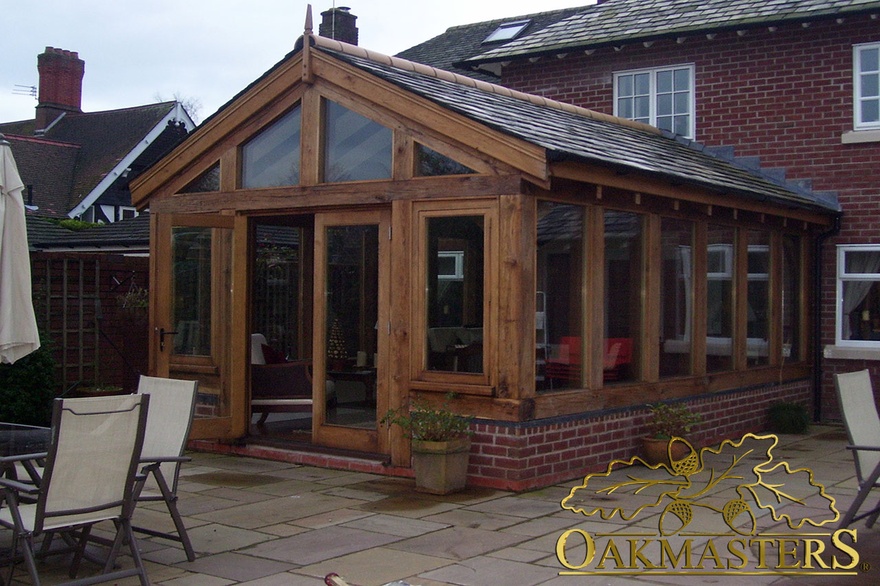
x: 140, y: 52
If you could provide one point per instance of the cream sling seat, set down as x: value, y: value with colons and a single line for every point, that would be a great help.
x: 856, y: 397
x: 88, y: 478
x: 172, y: 404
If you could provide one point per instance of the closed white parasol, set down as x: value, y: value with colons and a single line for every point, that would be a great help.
x: 18, y: 325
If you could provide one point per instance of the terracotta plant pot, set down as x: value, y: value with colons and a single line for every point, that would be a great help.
x: 441, y: 467
x: 656, y: 450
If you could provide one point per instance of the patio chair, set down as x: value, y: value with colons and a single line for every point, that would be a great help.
x: 172, y: 403
x: 88, y: 478
x: 856, y: 397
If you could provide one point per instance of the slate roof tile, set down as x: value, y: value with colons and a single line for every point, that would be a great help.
x: 617, y: 144
x: 619, y: 21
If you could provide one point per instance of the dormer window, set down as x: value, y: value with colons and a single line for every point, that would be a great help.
x: 507, y: 31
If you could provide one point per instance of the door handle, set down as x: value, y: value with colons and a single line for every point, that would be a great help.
x: 162, y: 334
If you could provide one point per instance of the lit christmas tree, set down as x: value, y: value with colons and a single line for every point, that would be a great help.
x: 336, y: 341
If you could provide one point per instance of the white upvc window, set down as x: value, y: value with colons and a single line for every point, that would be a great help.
x: 662, y: 97
x: 866, y: 86
x: 858, y: 296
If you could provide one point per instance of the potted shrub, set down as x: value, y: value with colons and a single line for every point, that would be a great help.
x: 668, y: 421
x: 441, y: 444
x: 789, y: 418
x: 98, y: 389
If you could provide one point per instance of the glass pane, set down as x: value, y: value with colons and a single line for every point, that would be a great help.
x: 791, y: 296
x: 643, y: 107
x: 207, y: 181
x: 191, y: 290
x: 455, y: 302
x: 352, y: 293
x: 682, y: 125
x: 861, y: 262
x: 665, y: 123
x: 625, y: 85
x: 871, y: 111
x: 861, y: 304
x: 719, y: 299
x: 623, y: 294
x: 758, y: 298
x: 664, y: 105
x: 432, y: 164
x: 625, y: 108
x: 682, y: 103
x: 642, y: 83
x: 870, y: 85
x: 869, y: 59
x: 277, y: 298
x: 559, y: 303
x: 271, y: 159
x: 664, y: 81
x: 676, y: 296
x: 355, y: 147
x: 682, y: 79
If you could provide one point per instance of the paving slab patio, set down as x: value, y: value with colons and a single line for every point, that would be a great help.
x: 263, y: 523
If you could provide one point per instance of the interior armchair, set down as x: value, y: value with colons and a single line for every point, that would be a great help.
x: 278, y: 385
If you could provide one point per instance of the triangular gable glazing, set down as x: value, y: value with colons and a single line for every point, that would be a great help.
x: 430, y: 163
x: 272, y: 158
x: 207, y: 181
x: 355, y: 147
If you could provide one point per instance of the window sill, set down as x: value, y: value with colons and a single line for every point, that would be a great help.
x: 860, y: 136
x: 852, y: 352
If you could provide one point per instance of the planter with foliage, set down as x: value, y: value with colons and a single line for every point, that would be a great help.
x: 668, y: 424
x: 441, y: 445
x: 789, y: 418
x: 98, y: 390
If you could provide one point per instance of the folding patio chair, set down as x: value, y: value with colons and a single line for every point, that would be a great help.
x: 856, y: 397
x: 172, y: 403
x: 88, y: 478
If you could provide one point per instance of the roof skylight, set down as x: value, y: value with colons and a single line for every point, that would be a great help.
x: 507, y: 31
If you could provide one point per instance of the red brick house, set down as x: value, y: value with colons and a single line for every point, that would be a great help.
x: 791, y: 87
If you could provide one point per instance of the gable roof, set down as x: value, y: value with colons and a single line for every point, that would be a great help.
x: 617, y: 21
x: 461, y: 42
x: 568, y: 133
x: 80, y: 155
x: 555, y: 131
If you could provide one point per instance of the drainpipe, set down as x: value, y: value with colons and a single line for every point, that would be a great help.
x: 817, y: 316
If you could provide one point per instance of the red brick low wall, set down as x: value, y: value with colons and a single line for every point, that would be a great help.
x: 535, y: 454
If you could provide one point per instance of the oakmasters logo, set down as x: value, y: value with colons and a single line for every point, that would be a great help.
x: 726, y: 510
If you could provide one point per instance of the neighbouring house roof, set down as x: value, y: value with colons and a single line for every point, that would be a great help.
x: 576, y: 134
x: 80, y: 156
x: 125, y: 236
x: 619, y: 21
x: 461, y: 42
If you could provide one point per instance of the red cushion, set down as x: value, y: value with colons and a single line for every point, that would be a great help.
x: 272, y: 356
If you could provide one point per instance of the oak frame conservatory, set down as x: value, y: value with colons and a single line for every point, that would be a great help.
x: 411, y: 232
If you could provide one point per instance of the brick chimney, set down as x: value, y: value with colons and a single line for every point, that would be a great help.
x: 339, y: 24
x: 61, y: 74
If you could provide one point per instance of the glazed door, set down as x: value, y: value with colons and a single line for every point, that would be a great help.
x: 193, y: 317
x: 351, y: 321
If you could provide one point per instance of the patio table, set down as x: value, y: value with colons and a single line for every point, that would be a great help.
x: 24, y: 445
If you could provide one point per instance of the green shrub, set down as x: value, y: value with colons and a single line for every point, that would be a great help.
x: 789, y: 418
x: 426, y: 423
x: 27, y: 388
